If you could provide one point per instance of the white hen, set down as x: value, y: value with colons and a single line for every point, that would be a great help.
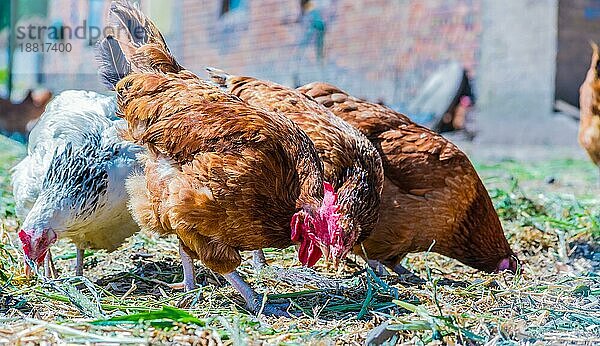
x: 71, y: 184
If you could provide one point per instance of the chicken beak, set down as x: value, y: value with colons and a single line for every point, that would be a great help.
x: 336, y: 263
x: 28, y: 271
x: 326, y: 254
x: 30, y: 268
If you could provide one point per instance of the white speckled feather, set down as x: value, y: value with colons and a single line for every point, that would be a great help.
x: 73, y: 177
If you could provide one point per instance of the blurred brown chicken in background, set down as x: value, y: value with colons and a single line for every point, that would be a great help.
x: 17, y: 119
x: 589, y: 109
x: 431, y: 192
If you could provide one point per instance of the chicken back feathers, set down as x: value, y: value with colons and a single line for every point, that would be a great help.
x: 350, y: 161
x: 222, y: 175
x: 431, y: 191
x: 589, y: 105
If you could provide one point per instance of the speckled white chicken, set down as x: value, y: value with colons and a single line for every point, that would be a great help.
x: 71, y: 184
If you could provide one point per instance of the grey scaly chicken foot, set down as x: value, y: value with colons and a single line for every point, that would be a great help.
x: 259, y: 262
x: 79, y: 262
x: 189, y: 275
x: 253, y: 299
x: 404, y: 274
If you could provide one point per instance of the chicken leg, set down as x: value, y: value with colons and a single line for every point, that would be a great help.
x: 253, y: 299
x: 79, y: 262
x: 49, y: 268
x: 259, y: 262
x: 406, y: 275
x: 189, y: 275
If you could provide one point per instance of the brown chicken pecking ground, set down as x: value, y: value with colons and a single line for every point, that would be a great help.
x: 431, y: 193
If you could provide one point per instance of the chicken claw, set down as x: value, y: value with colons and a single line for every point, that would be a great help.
x: 405, y: 276
x: 275, y: 309
x: 378, y: 268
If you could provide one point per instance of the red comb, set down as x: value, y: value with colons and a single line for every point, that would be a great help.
x: 26, y: 241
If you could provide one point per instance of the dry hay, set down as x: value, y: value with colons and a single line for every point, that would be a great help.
x: 548, y: 302
x: 553, y: 300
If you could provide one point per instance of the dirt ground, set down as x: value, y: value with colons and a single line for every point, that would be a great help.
x: 549, y: 208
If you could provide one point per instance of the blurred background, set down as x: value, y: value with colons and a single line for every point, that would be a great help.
x: 501, y: 72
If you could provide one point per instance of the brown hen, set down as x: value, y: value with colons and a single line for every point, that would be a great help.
x: 351, y: 162
x: 431, y: 191
x: 20, y: 118
x: 589, y: 110
x: 221, y: 175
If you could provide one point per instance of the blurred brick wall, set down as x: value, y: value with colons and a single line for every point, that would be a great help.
x: 377, y: 49
x: 374, y: 48
x: 76, y: 69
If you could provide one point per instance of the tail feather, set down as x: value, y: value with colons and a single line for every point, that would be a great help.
x: 152, y: 58
x: 142, y: 43
x: 134, y: 45
x: 113, y: 65
x: 130, y: 25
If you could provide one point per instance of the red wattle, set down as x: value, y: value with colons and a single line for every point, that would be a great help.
x: 303, y: 253
x: 314, y: 255
x: 309, y: 253
x: 295, y: 234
